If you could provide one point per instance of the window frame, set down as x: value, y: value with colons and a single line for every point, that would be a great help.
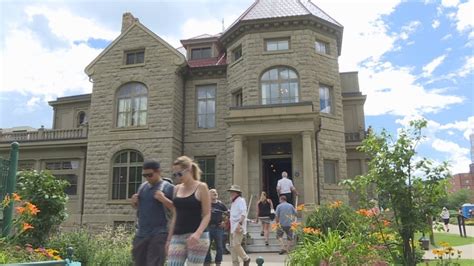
x: 65, y: 167
x: 237, y: 50
x: 132, y: 97
x: 237, y: 98
x: 335, y: 164
x: 331, y: 99
x: 206, y: 114
x: 128, y: 164
x: 201, y: 49
x: 135, y: 54
x: 278, y: 41
x: 84, y: 120
x: 205, y: 174
x: 279, y: 82
x: 318, y: 44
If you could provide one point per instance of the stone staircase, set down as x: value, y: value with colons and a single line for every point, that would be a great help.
x: 257, y: 242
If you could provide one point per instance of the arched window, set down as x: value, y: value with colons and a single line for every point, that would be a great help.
x: 81, y: 118
x: 126, y: 174
x: 132, y: 105
x: 279, y: 85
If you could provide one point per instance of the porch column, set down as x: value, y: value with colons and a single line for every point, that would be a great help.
x: 308, y: 172
x: 238, y: 171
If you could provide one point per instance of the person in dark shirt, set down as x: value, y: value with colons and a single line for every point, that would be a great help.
x: 152, y: 201
x: 216, y: 227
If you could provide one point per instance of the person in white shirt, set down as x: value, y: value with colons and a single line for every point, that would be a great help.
x: 285, y: 187
x: 445, y: 216
x: 238, y: 225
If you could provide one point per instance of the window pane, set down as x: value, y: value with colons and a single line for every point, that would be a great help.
x: 272, y: 46
x: 284, y: 73
x: 211, y: 121
x: 266, y: 76
x: 294, y: 92
x: 130, y: 58
x: 330, y: 172
x: 283, y: 45
x: 201, y: 121
x: 142, y: 118
x: 201, y: 93
x: 292, y: 74
x: 211, y: 107
x: 143, y: 103
x: 140, y: 57
x: 285, y: 92
x: 202, y: 108
x: 206, y: 53
x: 274, y: 93
x: 274, y: 74
x: 211, y: 93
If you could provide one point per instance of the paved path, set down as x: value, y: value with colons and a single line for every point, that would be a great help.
x: 271, y: 259
x: 467, y: 250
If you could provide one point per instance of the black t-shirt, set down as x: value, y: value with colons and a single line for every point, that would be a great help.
x: 217, y: 210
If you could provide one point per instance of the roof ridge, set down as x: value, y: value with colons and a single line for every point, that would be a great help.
x: 311, y: 3
x: 301, y: 4
x: 241, y: 16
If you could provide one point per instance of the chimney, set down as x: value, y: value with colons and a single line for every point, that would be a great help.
x: 127, y: 20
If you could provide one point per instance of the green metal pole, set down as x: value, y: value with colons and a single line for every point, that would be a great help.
x: 10, y: 188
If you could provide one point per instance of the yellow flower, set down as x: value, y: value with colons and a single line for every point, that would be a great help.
x: 300, y: 207
x: 6, y: 201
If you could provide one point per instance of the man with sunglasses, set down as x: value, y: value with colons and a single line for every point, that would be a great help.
x: 152, y: 201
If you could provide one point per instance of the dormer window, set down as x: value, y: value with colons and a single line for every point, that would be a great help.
x: 237, y: 53
x: 322, y: 47
x: 135, y: 57
x: 200, y: 53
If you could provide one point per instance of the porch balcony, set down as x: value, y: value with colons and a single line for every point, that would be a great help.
x: 44, y: 135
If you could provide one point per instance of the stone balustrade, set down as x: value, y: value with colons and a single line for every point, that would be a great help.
x: 45, y: 135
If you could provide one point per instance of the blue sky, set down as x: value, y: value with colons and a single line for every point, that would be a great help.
x: 415, y: 58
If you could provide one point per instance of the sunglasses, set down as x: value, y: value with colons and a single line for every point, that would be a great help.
x: 147, y: 175
x: 180, y: 173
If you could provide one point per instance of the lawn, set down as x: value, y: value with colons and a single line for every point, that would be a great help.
x: 461, y: 262
x: 452, y: 239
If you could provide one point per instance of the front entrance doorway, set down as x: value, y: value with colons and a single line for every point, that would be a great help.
x: 276, y: 158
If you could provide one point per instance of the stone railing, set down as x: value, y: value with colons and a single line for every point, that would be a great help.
x: 45, y: 135
x: 355, y: 136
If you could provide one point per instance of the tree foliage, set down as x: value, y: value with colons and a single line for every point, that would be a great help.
x: 412, y: 187
x: 457, y: 199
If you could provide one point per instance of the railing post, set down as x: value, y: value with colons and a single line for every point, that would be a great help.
x: 41, y: 133
x: 10, y: 188
x: 260, y: 261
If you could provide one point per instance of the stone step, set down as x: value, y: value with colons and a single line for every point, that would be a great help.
x: 262, y: 248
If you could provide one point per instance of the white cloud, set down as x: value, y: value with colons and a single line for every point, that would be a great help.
x: 431, y: 66
x: 365, y: 30
x: 447, y: 37
x: 467, y: 126
x: 27, y: 66
x: 457, y: 156
x: 394, y: 90
x: 449, y: 3
x: 464, y: 17
x: 409, y: 29
x: 467, y: 68
x: 435, y: 24
x: 33, y: 102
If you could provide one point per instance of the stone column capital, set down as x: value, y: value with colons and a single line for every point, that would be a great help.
x: 307, y: 133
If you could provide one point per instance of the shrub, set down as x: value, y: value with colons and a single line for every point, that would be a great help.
x: 336, y: 216
x: 109, y: 247
x: 47, y: 193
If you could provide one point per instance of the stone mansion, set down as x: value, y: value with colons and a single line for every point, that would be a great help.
x: 262, y: 97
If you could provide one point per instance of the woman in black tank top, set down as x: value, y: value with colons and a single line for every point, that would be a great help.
x: 188, y: 239
x: 264, y: 207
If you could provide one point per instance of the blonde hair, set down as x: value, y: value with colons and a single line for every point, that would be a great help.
x: 263, y: 196
x: 187, y: 163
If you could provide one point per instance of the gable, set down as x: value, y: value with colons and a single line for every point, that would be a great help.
x: 126, y: 36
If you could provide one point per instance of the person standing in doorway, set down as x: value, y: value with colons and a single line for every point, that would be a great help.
x: 264, y: 207
x: 285, y: 214
x: 188, y: 237
x: 152, y: 201
x: 285, y: 187
x: 216, y: 228
x: 238, y: 225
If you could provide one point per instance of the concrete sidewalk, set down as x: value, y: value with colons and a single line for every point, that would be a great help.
x: 271, y: 259
x: 467, y: 252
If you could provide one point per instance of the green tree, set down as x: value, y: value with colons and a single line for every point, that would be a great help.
x: 412, y: 187
x: 458, y: 198
x: 47, y: 193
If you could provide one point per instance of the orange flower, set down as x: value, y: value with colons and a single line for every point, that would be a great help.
x: 365, y: 212
x: 336, y: 204
x: 16, y: 197
x: 386, y: 223
x: 20, y: 210
x: 295, y: 225
x: 32, y: 208
x: 310, y: 230
x: 27, y: 226
x: 275, y: 226
x: 300, y: 207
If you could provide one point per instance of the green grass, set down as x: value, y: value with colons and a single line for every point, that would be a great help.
x: 452, y: 239
x: 460, y: 261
